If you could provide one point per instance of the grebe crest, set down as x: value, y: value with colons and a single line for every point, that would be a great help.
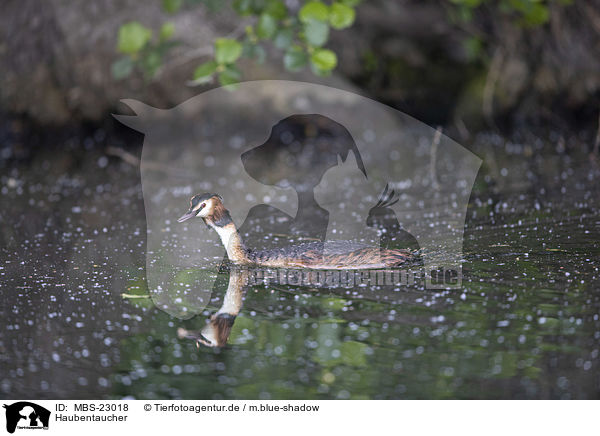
x: 210, y: 208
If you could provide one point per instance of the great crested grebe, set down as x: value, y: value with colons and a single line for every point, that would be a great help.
x: 338, y: 254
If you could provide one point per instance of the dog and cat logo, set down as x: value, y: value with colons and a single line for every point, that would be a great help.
x: 26, y: 415
x: 308, y: 161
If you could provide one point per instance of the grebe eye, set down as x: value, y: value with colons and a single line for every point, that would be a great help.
x: 202, y: 206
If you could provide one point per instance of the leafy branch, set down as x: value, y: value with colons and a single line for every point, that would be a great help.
x: 300, y: 34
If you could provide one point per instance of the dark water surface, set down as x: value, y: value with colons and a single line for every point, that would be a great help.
x: 526, y: 323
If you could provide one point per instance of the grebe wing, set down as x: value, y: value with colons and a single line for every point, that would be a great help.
x: 335, y: 247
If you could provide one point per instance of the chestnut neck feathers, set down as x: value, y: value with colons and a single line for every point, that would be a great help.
x: 220, y: 220
x: 219, y: 216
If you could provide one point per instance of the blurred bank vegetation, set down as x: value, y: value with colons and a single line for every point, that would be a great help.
x: 471, y: 64
x: 300, y: 32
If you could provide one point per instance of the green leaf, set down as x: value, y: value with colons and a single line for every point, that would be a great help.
x: 322, y: 61
x: 166, y: 31
x: 294, y: 59
x: 537, y: 14
x: 243, y: 7
x: 341, y: 16
x: 266, y: 27
x: 313, y: 11
x: 316, y: 32
x: 133, y: 36
x: 277, y: 9
x: 203, y: 73
x: 254, y: 51
x: 133, y: 296
x: 151, y: 62
x: 227, y: 50
x: 230, y: 77
x: 283, y: 38
x: 121, y: 68
x: 172, y: 6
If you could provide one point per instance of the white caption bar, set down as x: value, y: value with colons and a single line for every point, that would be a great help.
x: 299, y: 417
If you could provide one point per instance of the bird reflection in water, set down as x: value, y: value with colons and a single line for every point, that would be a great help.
x: 217, y: 330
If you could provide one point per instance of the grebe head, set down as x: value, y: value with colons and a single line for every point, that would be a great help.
x: 207, y: 206
x: 217, y: 331
x: 210, y: 208
x: 214, y: 334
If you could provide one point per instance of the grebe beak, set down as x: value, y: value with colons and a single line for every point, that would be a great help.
x: 196, y: 336
x: 201, y: 339
x: 189, y: 214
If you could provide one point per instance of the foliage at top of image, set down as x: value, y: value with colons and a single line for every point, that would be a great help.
x: 300, y: 32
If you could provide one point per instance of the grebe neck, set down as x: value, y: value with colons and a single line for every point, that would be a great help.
x: 230, y: 237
